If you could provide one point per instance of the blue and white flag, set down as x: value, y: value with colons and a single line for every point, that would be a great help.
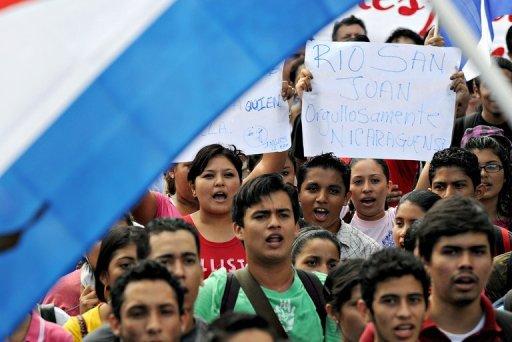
x: 97, y: 97
x: 479, y: 15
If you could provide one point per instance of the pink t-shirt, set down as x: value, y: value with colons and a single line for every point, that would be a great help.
x: 65, y: 294
x: 379, y: 230
x: 164, y: 206
x: 41, y: 330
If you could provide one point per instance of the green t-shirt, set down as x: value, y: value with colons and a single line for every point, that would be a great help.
x: 294, y: 308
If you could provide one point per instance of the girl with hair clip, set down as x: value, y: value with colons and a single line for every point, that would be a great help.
x: 370, y: 185
x: 493, y: 154
x: 215, y: 175
x: 316, y: 250
x: 120, y: 249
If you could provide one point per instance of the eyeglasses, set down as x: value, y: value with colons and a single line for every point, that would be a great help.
x: 491, y: 168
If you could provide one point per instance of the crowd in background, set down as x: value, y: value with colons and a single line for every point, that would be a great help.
x: 282, y: 246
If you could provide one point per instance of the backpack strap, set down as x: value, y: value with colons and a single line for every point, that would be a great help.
x: 83, y: 326
x: 507, y: 301
x: 230, y: 294
x: 259, y: 300
x: 509, y: 272
x: 314, y: 289
x: 504, y: 320
x: 47, y: 312
x: 505, y: 234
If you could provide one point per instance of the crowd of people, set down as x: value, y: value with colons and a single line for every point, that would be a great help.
x: 282, y: 247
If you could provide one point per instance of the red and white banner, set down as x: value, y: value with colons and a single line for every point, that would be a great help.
x: 382, y: 17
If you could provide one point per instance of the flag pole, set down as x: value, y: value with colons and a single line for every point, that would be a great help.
x: 459, y: 32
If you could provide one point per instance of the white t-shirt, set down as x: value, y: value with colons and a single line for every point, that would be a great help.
x: 379, y: 230
x: 462, y: 337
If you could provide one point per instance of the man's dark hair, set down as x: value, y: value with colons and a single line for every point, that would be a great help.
x: 325, y: 161
x: 340, y: 282
x: 232, y: 323
x: 117, y: 238
x: 352, y: 20
x: 390, y: 263
x: 405, y: 32
x: 453, y: 216
x: 501, y: 62
x: 456, y: 157
x: 252, y: 192
x: 144, y: 270
x: 172, y: 225
x: 361, y: 38
x: 209, y: 152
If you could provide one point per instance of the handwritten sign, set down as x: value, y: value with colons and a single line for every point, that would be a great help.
x: 378, y: 100
x: 256, y: 123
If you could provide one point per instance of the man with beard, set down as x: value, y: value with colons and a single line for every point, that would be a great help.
x: 456, y: 243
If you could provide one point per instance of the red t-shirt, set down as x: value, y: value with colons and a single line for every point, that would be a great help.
x: 215, y: 255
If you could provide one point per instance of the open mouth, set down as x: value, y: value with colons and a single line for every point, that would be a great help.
x: 320, y: 214
x: 368, y: 201
x: 274, y: 240
x: 404, y: 331
x: 465, y: 282
x: 220, y: 196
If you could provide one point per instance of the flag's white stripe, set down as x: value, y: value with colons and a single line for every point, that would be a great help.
x: 44, y: 68
x: 484, y: 44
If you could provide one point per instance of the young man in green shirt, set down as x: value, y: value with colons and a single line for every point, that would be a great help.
x: 265, y: 214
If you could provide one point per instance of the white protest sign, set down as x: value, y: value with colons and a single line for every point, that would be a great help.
x: 256, y: 123
x: 388, y: 101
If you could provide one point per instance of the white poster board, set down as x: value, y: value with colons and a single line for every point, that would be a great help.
x: 388, y: 101
x: 255, y: 123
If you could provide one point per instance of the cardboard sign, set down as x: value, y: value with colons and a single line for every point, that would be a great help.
x: 378, y: 100
x: 256, y: 123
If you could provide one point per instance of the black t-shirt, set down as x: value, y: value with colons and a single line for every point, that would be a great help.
x: 473, y: 120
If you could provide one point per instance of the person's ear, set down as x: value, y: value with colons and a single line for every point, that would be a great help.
x: 239, y: 231
x: 390, y: 186
x: 364, y: 311
x: 425, y: 263
x: 332, y: 313
x: 104, y: 279
x: 192, y: 188
x: 347, y: 197
x: 476, y: 89
x: 115, y: 324
x: 480, y: 191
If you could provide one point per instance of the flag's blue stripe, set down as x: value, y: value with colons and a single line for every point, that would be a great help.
x: 101, y: 154
x: 470, y: 11
x: 499, y: 7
